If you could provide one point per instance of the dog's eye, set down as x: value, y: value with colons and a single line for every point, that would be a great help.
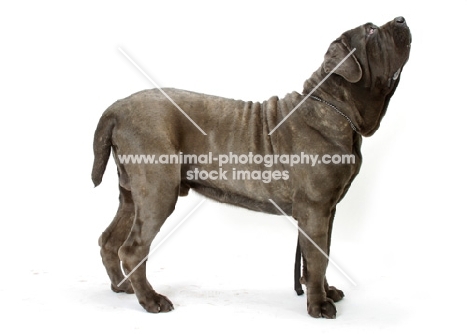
x: 371, y: 30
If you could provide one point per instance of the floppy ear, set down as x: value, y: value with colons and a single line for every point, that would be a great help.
x: 350, y: 69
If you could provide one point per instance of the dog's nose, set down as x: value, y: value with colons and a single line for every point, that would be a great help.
x: 400, y: 20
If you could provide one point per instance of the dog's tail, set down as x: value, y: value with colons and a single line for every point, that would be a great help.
x: 102, y: 146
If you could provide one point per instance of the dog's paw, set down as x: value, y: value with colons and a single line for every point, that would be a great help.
x: 156, y: 303
x: 335, y: 294
x: 324, y: 309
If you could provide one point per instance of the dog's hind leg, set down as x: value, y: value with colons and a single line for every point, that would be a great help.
x: 113, y: 238
x: 155, y: 194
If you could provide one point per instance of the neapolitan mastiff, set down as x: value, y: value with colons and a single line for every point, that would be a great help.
x: 348, y: 105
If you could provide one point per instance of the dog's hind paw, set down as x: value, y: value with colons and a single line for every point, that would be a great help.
x: 127, y: 288
x: 156, y: 303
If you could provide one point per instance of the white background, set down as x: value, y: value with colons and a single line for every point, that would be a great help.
x: 400, y: 233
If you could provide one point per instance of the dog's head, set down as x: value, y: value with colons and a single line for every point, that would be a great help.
x: 381, y: 53
x: 372, y: 72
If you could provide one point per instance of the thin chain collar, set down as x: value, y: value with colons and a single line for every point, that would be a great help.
x: 337, y: 110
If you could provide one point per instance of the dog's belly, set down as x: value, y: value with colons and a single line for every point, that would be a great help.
x: 248, y: 202
x: 248, y: 186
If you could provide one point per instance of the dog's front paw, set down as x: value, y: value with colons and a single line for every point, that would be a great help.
x: 156, y: 303
x: 335, y: 294
x: 324, y: 309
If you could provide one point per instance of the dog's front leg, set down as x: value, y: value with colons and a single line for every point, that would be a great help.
x: 313, y: 220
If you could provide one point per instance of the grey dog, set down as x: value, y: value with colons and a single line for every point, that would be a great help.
x: 349, y: 104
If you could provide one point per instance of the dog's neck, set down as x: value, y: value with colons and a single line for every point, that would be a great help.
x: 365, y: 107
x: 316, y: 98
